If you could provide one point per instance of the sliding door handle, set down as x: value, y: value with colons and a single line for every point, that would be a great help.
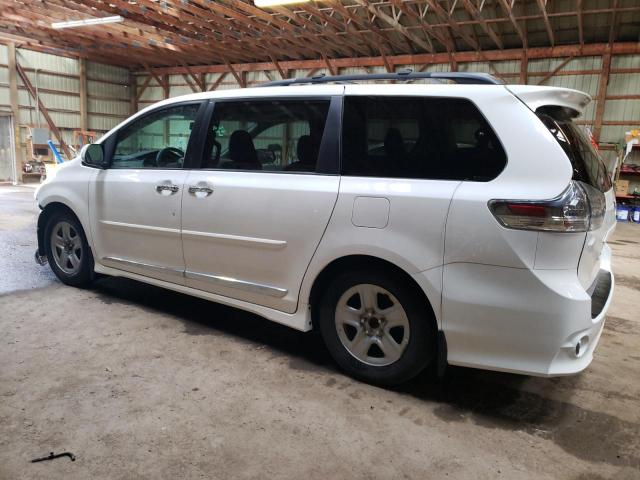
x: 193, y: 189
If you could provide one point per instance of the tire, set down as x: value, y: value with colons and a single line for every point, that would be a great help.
x: 359, y: 336
x: 68, y: 252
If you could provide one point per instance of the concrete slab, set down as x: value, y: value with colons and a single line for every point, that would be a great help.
x: 139, y: 382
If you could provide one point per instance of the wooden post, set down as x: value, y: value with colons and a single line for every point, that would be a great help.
x: 524, y: 69
x: 602, y: 94
x: 84, y: 118
x: 133, y: 93
x: 15, y: 109
x: 165, y: 86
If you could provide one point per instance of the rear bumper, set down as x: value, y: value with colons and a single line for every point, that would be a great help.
x: 534, y: 322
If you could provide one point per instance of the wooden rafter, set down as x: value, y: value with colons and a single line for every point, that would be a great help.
x: 542, y: 5
x: 330, y: 66
x: 202, y: 32
x: 613, y: 27
x: 475, y: 13
x: 446, y: 17
x: 506, y: 6
x: 395, y: 24
x: 283, y: 73
x: 561, y: 51
x: 580, y: 24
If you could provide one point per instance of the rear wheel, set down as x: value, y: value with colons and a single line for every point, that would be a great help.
x: 67, y: 250
x: 375, y: 327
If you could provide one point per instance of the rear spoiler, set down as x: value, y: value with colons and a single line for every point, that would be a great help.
x: 535, y: 97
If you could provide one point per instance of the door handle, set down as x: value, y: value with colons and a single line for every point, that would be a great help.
x: 167, y: 188
x: 195, y: 190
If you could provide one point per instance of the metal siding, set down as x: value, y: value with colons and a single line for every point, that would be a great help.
x: 107, y: 72
x: 32, y: 59
x: 624, y: 84
x: 108, y: 106
x: 106, y: 89
x: 176, y: 91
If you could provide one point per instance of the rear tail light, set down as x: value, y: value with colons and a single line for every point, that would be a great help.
x: 578, y: 209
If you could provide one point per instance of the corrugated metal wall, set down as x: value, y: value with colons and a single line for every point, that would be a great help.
x: 108, y: 90
x: 57, y: 80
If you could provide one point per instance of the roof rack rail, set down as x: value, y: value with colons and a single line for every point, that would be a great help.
x: 407, y: 75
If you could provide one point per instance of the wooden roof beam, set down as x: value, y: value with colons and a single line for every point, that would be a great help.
x: 274, y: 24
x: 542, y: 5
x: 395, y: 24
x: 475, y: 13
x: 580, y: 24
x: 445, y: 17
x: 108, y: 36
x: 283, y: 73
x: 560, y: 51
x: 365, y: 25
x: 335, y: 26
x: 506, y: 6
x: 331, y: 67
x: 407, y: 9
x: 613, y: 28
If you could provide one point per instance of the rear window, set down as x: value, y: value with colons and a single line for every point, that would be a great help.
x: 586, y: 162
x: 417, y: 137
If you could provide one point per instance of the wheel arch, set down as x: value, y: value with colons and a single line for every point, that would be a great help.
x: 46, y: 213
x: 369, y: 262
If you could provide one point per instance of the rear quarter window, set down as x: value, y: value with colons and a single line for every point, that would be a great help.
x: 587, y: 165
x: 418, y: 137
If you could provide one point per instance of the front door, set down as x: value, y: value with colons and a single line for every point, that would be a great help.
x: 255, y: 212
x: 136, y: 203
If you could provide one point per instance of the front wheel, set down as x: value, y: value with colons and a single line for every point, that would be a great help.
x: 376, y: 328
x: 67, y: 250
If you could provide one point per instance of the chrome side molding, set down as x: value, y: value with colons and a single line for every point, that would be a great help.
x: 220, y: 280
x: 229, y: 282
x: 156, y: 268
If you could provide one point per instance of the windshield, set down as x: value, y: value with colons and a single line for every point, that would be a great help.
x: 586, y: 162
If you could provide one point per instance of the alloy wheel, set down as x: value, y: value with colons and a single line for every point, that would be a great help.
x: 372, y: 324
x: 66, y: 247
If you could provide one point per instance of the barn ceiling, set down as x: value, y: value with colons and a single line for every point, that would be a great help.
x: 158, y: 33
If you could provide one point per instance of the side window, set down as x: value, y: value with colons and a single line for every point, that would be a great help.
x: 409, y: 137
x: 157, y: 140
x: 270, y: 135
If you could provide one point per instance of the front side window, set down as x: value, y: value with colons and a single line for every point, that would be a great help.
x: 417, y: 137
x: 157, y: 140
x: 273, y: 135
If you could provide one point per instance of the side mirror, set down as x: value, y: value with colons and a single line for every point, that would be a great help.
x: 92, y: 155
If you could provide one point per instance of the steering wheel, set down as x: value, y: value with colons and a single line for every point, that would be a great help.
x: 174, y: 152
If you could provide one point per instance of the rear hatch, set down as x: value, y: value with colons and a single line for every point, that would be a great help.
x: 557, y: 108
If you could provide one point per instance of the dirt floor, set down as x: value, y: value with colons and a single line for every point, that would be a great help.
x: 139, y: 382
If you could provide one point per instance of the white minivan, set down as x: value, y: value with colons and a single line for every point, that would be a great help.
x: 458, y: 221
